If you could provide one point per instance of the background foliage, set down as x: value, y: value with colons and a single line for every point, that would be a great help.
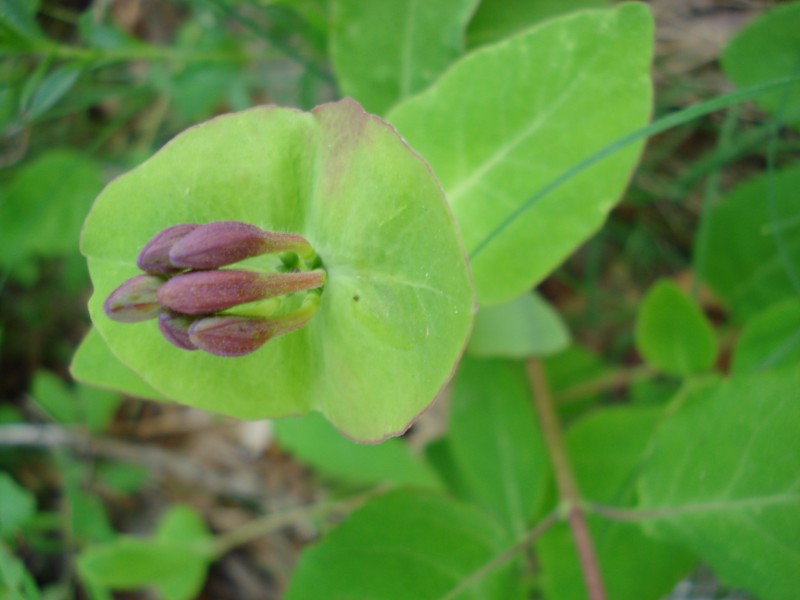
x: 664, y: 330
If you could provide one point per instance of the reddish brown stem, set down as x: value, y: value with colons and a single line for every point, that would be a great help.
x: 568, y: 491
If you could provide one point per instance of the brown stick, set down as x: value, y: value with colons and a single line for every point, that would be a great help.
x: 565, y: 480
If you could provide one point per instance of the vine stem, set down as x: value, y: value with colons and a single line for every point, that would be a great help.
x: 568, y: 491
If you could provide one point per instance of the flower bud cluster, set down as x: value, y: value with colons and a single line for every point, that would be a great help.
x: 194, y: 299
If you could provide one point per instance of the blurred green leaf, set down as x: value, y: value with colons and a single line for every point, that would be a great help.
x: 496, y: 442
x: 722, y: 480
x: 771, y: 339
x: 384, y: 52
x: 42, y: 208
x: 16, y: 583
x: 527, y: 326
x: 315, y: 442
x: 18, y: 505
x: 93, y: 364
x: 105, y: 36
x: 753, y: 250
x: 123, y: 478
x: 405, y: 544
x: 606, y: 449
x: 18, y: 25
x: 496, y: 20
x: 506, y: 120
x: 672, y: 334
x: 74, y: 405
x: 174, y: 562
x: 50, y: 90
x: 88, y: 519
x: 768, y: 49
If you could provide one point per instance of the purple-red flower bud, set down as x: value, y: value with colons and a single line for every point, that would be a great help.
x: 231, y: 335
x: 154, y: 257
x: 206, y: 292
x: 135, y: 300
x: 227, y: 242
x: 175, y: 328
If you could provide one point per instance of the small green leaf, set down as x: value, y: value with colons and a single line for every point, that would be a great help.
x: 51, y: 89
x: 606, y: 449
x: 398, y: 298
x: 769, y: 340
x: 77, y: 405
x: 312, y: 440
x: 174, y: 563
x: 508, y: 119
x: 765, y: 50
x: 527, y: 326
x: 406, y: 544
x: 386, y: 51
x: 18, y: 22
x: 498, y: 19
x: 722, y: 479
x: 496, y: 442
x: 18, y: 504
x: 753, y: 253
x: 671, y: 332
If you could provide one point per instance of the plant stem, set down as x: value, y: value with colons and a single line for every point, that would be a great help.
x: 604, y: 383
x: 565, y: 480
x: 260, y: 527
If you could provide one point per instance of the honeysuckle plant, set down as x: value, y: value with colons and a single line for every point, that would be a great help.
x: 311, y: 257
x: 274, y: 262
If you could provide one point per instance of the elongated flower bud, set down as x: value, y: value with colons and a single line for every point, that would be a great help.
x: 227, y: 242
x: 206, y: 292
x: 135, y: 300
x: 175, y: 328
x: 154, y: 257
x: 231, y: 335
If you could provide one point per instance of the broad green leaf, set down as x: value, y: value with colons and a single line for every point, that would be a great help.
x: 385, y: 51
x: 18, y: 504
x: 397, y: 305
x: 497, y: 19
x: 94, y: 364
x: 722, y: 479
x: 506, y: 120
x: 672, y: 334
x: 76, y: 405
x: 174, y: 563
x: 312, y: 440
x: 496, y: 442
x: 406, y: 544
x: 527, y: 326
x: 753, y: 251
x: 606, y: 449
x: 43, y: 207
x: 765, y: 50
x: 769, y: 340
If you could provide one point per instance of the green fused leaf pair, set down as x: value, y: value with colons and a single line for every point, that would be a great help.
x: 397, y: 303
